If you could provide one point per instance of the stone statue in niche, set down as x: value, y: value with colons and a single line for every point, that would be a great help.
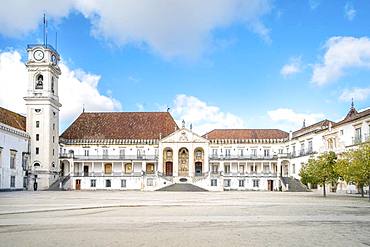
x: 184, y: 162
x: 39, y: 82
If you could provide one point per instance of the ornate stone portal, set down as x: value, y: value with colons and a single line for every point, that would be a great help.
x: 183, y: 162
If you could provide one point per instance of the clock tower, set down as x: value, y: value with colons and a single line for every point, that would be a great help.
x: 43, y: 105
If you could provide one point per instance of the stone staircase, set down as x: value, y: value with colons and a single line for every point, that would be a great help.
x: 56, y: 185
x: 293, y: 184
x: 182, y: 187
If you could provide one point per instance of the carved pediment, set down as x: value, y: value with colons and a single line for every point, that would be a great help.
x: 184, y: 135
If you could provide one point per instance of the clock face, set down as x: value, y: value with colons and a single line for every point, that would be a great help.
x: 38, y: 55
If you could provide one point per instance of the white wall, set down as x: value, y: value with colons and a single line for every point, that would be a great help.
x: 12, y: 139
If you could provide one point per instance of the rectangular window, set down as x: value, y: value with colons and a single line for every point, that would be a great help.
x: 53, y: 139
x: 123, y: 183
x: 213, y: 182
x: 227, y: 183
x: 241, y: 183
x: 241, y: 152
x: 12, y: 159
x: 53, y: 126
x: 358, y: 135
x: 108, y: 168
x: 310, y: 146
x: 93, y: 183
x: 149, y: 182
x: 53, y: 152
x: 105, y: 152
x: 214, y: 152
x: 227, y: 152
x: 108, y: 183
x: 12, y: 181
x: 122, y: 153
x: 227, y: 169
x: 281, y: 151
x: 37, y: 124
x: 241, y: 169
x: 341, y: 132
x: 37, y: 137
x: 254, y: 152
x: 293, y: 151
x: 302, y: 152
x: 266, y: 153
x: 293, y: 168
x: 140, y: 153
x: 86, y: 152
x: 256, y: 183
x: 37, y: 150
x: 214, y: 168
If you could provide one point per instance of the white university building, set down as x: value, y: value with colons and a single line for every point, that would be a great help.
x: 148, y: 151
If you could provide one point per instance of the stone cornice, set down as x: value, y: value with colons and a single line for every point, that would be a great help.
x: 15, y: 131
x: 109, y: 141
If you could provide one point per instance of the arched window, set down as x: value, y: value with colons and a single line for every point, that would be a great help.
x: 39, y: 82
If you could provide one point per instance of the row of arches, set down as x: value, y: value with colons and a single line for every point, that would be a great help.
x: 183, y: 161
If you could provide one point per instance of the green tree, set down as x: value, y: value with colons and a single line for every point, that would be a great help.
x: 321, y: 170
x: 354, y: 166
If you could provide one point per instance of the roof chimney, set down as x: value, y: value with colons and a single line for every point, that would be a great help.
x: 290, y: 135
x: 304, y: 123
x: 330, y: 126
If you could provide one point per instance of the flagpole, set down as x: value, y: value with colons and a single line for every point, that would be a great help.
x: 44, y: 30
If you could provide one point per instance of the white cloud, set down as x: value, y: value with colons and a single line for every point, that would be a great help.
x: 291, y: 120
x: 357, y: 94
x: 293, y: 67
x: 349, y: 11
x: 17, y: 18
x: 202, y: 116
x: 341, y: 53
x: 169, y: 28
x: 76, y: 88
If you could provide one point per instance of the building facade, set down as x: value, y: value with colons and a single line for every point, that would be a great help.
x: 14, y: 151
x: 147, y: 150
x: 141, y: 151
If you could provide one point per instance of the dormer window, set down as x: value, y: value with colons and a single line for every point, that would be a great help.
x: 39, y: 82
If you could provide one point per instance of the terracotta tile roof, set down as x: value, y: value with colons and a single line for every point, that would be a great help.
x: 12, y: 119
x: 353, y: 115
x: 121, y: 125
x: 244, y: 134
x: 324, y: 124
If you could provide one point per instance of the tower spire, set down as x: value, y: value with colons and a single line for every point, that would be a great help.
x: 352, y: 104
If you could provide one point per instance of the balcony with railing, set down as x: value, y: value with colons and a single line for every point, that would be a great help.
x: 360, y: 139
x: 109, y: 157
x: 243, y: 157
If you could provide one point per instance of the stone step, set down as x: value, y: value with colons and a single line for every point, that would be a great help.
x: 181, y: 187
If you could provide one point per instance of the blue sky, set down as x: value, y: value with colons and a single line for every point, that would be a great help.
x: 220, y: 69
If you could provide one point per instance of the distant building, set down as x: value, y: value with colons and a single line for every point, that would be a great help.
x: 14, y: 151
x: 148, y: 150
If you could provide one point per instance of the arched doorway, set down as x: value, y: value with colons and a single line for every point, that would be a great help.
x: 198, y: 161
x: 198, y: 169
x: 64, y: 168
x: 168, y: 161
x: 183, y: 162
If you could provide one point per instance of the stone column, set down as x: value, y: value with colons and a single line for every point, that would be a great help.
x: 175, y: 162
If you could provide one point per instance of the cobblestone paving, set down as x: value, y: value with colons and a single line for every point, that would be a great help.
x: 105, y: 218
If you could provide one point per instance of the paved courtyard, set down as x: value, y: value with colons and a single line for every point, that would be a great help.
x: 106, y: 218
